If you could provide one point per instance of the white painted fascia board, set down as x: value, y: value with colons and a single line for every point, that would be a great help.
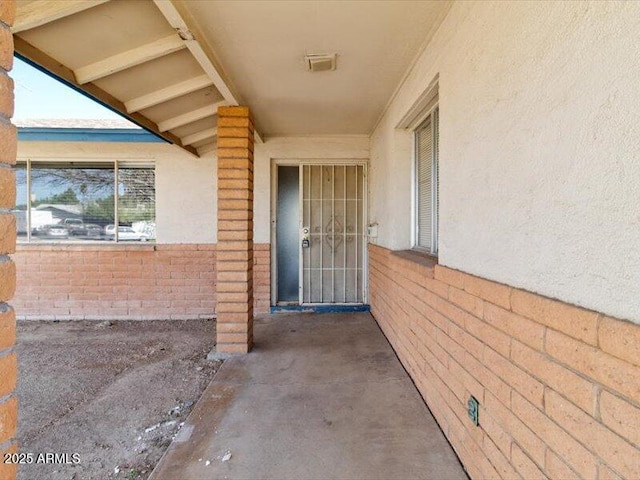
x: 35, y: 14
x: 168, y: 93
x: 130, y: 58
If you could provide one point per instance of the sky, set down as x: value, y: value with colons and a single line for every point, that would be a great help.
x: 42, y: 97
x: 39, y: 96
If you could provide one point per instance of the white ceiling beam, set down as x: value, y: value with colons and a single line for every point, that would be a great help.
x: 189, y: 117
x: 168, y: 93
x: 35, y: 14
x: 197, y: 44
x: 199, y: 136
x: 130, y: 58
x: 192, y: 37
x: 209, y: 147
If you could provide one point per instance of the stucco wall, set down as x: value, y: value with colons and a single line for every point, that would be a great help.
x: 186, y: 199
x: 539, y: 171
x: 295, y: 148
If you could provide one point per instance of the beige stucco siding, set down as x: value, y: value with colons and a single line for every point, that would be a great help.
x: 538, y: 149
x: 186, y: 199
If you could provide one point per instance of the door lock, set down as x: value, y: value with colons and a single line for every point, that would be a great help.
x: 305, y: 238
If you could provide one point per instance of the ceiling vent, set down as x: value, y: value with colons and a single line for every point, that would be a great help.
x: 320, y: 62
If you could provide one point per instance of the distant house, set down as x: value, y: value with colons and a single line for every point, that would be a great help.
x: 61, y: 212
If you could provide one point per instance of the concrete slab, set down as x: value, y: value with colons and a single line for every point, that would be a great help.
x: 320, y: 397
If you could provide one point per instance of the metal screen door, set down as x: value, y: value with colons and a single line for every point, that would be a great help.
x: 332, y: 222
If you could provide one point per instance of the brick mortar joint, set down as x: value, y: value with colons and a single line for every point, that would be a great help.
x: 6, y: 352
x: 7, y: 397
x: 7, y: 444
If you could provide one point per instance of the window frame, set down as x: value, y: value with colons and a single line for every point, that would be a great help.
x: 430, y: 115
x: 118, y: 164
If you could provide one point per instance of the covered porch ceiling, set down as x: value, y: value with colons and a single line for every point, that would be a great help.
x: 168, y: 64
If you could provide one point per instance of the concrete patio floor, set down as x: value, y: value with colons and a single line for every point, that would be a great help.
x: 320, y: 397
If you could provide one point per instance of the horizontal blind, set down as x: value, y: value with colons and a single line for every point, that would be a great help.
x: 424, y: 174
x: 436, y: 179
x: 137, y: 199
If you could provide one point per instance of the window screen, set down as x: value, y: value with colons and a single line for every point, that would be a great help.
x: 426, y: 138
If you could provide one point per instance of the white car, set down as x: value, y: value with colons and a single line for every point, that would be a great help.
x: 125, y: 233
x: 55, y: 231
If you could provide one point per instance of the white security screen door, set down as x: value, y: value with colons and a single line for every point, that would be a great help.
x: 332, y: 234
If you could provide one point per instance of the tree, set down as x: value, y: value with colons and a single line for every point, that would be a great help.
x: 100, y: 211
x: 95, y: 187
x: 68, y: 197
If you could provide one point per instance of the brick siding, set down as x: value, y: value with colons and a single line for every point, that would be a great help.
x: 8, y: 146
x: 261, y: 277
x: 134, y: 282
x: 558, y: 386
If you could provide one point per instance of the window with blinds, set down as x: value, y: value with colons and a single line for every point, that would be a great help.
x: 426, y: 152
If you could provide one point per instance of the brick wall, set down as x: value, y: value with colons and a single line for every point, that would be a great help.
x: 124, y: 282
x: 559, y: 386
x: 8, y: 361
x: 261, y: 277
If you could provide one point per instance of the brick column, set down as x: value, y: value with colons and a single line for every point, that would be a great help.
x: 8, y: 145
x: 234, y: 255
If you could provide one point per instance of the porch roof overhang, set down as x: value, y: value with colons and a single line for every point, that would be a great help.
x: 146, y: 60
x: 159, y: 63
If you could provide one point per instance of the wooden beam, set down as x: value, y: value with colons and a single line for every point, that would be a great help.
x: 193, y: 38
x: 189, y: 117
x: 130, y: 58
x: 38, y: 13
x: 168, y: 93
x: 197, y: 137
x: 209, y: 147
x: 179, y: 18
x: 65, y: 74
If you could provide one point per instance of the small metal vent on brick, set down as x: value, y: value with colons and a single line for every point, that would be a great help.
x: 320, y: 62
x: 473, y: 410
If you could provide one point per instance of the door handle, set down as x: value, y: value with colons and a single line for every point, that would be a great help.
x: 305, y: 238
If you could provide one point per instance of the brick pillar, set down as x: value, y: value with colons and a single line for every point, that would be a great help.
x: 234, y: 255
x: 8, y: 144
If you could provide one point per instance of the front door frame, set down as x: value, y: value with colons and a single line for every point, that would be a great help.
x: 275, y: 162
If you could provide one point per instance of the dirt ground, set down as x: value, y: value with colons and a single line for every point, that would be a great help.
x: 114, y: 393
